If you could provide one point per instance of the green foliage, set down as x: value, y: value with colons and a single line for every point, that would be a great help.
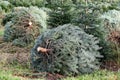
x: 5, y: 5
x: 74, y: 51
x: 83, y: 13
x: 87, y: 15
x: 61, y: 12
x: 40, y: 16
x: 111, y: 18
x: 27, y: 3
x: 17, y: 28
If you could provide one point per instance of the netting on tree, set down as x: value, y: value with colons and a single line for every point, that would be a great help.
x: 70, y: 51
x: 23, y: 25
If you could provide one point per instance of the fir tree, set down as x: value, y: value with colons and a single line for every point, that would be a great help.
x: 73, y: 51
x: 23, y: 25
x: 61, y: 12
x: 87, y: 16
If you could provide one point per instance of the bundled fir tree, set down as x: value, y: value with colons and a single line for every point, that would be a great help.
x: 66, y: 50
x: 87, y: 15
x: 111, y: 21
x: 23, y: 25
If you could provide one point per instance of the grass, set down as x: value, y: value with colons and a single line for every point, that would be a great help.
x: 7, y: 73
x: 98, y: 75
x: 12, y: 73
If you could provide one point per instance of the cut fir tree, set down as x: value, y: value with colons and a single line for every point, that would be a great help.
x: 71, y: 51
x: 23, y: 25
